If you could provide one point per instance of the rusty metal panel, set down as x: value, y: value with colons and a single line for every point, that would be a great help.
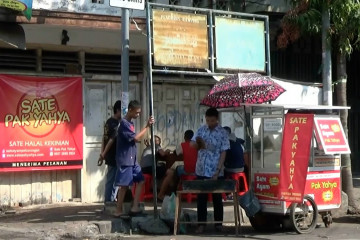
x: 177, y: 109
x: 180, y: 39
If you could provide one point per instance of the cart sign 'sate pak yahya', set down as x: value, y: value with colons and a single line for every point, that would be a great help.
x: 295, y: 153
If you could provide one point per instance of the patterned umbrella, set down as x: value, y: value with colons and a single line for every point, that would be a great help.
x: 233, y: 90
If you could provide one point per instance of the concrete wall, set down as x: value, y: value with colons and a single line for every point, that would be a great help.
x: 87, y: 39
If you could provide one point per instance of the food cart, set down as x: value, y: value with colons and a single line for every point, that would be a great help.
x: 294, y: 163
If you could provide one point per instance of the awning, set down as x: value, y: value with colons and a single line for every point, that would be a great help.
x: 13, y: 34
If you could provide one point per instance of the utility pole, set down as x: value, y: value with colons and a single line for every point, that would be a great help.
x: 326, y: 56
x: 125, y: 59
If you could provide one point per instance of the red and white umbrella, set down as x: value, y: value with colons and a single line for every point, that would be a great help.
x: 233, y: 90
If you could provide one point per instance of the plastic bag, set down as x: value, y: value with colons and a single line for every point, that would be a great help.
x: 250, y: 203
x: 168, y: 207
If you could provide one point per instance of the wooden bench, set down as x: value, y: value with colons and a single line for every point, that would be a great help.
x: 208, y: 186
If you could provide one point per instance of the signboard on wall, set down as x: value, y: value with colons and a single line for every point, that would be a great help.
x: 18, y: 5
x: 240, y: 44
x: 330, y: 135
x: 41, y: 123
x: 131, y: 4
x: 180, y: 39
x: 24, y: 6
x: 272, y: 124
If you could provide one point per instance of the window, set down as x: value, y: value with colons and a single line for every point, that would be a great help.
x: 267, y: 141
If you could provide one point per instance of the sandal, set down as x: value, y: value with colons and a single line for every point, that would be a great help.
x: 121, y: 215
x: 136, y: 214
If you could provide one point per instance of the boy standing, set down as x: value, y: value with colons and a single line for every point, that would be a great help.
x: 108, y: 152
x: 128, y: 169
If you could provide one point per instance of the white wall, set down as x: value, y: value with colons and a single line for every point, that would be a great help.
x: 298, y: 94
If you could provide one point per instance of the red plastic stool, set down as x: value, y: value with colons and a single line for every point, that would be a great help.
x: 240, y: 178
x: 147, y: 192
x: 189, y: 196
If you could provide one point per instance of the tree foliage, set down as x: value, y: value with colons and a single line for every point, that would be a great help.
x: 305, y: 18
x: 344, y: 33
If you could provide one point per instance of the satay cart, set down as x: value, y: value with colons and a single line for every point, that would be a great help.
x: 294, y: 163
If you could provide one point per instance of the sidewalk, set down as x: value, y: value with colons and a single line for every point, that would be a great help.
x: 90, y: 221
x: 84, y: 221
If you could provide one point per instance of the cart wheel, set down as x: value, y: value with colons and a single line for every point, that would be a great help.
x: 327, y: 219
x: 304, y: 215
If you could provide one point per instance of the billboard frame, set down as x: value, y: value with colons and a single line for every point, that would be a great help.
x: 210, y: 13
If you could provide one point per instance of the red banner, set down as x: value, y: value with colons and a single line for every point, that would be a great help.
x: 330, y: 133
x: 295, y: 153
x: 41, y: 123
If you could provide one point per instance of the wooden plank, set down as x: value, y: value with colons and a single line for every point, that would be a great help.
x: 53, y: 187
x: 5, y: 188
x: 65, y: 184
x: 210, y: 185
x: 36, y: 187
x: 22, y: 188
x: 205, y: 191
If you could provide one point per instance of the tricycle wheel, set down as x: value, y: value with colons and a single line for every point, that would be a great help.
x: 304, y: 215
x: 327, y: 218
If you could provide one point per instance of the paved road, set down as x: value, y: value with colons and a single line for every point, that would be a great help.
x: 76, y: 221
x: 347, y: 228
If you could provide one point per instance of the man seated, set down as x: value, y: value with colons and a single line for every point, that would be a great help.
x: 234, y: 161
x: 146, y: 162
x: 185, y: 167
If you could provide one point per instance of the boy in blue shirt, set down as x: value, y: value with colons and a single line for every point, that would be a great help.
x: 128, y: 169
x: 234, y: 161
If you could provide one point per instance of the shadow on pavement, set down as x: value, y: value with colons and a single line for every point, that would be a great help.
x: 348, y: 219
x: 57, y: 214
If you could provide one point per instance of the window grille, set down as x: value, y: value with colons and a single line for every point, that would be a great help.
x: 174, y: 2
x: 223, y: 5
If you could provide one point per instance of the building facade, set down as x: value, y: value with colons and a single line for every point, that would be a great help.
x: 83, y: 38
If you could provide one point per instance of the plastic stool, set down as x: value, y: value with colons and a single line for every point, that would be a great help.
x: 146, y: 193
x: 240, y: 176
x: 189, y: 196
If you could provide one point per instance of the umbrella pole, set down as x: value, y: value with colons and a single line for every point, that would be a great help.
x: 151, y: 106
